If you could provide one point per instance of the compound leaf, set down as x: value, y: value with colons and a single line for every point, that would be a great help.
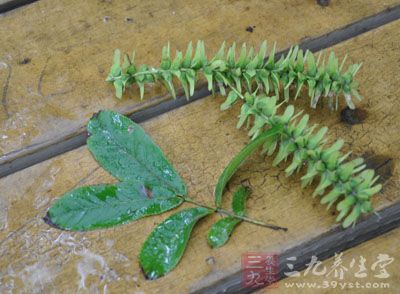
x: 102, y: 206
x: 166, y: 244
x: 124, y: 149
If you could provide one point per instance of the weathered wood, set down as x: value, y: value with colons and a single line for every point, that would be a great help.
x: 54, y: 56
x: 31, y: 155
x: 323, y: 246
x: 199, y: 140
x: 385, y: 244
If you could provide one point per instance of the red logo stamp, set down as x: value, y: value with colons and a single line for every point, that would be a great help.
x: 260, y: 269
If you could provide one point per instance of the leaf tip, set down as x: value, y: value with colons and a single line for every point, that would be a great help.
x: 95, y: 115
x: 150, y: 276
x: 47, y: 220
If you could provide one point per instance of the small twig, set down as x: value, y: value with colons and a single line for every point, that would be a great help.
x: 232, y: 214
x: 253, y: 221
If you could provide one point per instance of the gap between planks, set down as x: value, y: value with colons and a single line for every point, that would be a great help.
x: 26, y: 157
x: 7, y: 5
x: 324, y: 247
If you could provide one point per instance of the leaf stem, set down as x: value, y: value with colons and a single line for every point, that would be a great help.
x: 232, y: 214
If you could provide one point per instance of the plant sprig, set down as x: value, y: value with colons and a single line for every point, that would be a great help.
x: 149, y: 185
x: 254, y: 73
x: 348, y: 181
x: 259, y: 71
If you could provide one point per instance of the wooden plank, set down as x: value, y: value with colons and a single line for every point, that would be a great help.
x: 54, y: 56
x: 7, y: 5
x: 385, y: 244
x: 323, y: 246
x: 199, y: 140
x: 20, y: 159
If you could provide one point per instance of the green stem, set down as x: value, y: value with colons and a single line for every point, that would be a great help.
x: 232, y: 214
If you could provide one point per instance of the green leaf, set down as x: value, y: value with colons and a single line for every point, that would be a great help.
x: 167, y: 77
x: 230, y: 58
x: 220, y: 232
x: 239, y: 200
x: 166, y: 58
x: 188, y: 56
x: 127, y: 61
x: 244, y: 113
x: 124, y: 149
x: 261, y: 53
x: 343, y: 62
x: 209, y: 76
x: 230, y: 100
x: 312, y: 67
x: 271, y: 57
x: 115, y: 70
x: 191, y: 77
x: 184, y: 84
x: 141, y: 89
x: 103, y: 206
x: 176, y: 64
x: 234, y: 164
x: 220, y: 54
x: 117, y: 56
x: 119, y: 88
x: 166, y: 244
x: 352, y: 217
x: 199, y: 58
x: 242, y: 58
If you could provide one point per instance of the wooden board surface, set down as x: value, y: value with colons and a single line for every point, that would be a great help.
x: 199, y: 140
x: 54, y: 56
x: 7, y: 5
x: 387, y: 244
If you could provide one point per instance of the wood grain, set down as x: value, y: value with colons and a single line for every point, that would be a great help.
x: 385, y: 244
x: 54, y: 56
x: 199, y: 140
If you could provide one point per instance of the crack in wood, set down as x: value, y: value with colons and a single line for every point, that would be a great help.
x: 28, y: 156
x: 324, y: 247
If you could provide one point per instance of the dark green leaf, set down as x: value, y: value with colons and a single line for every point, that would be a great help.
x: 239, y: 200
x: 128, y: 153
x: 166, y: 244
x: 234, y: 164
x: 219, y: 233
x: 102, y: 206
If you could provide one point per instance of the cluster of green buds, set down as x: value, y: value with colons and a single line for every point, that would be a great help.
x: 259, y: 72
x: 349, y: 181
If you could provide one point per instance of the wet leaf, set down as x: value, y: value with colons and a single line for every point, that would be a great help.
x: 234, y: 164
x: 166, y: 244
x: 124, y: 149
x: 102, y: 206
x: 220, y: 232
